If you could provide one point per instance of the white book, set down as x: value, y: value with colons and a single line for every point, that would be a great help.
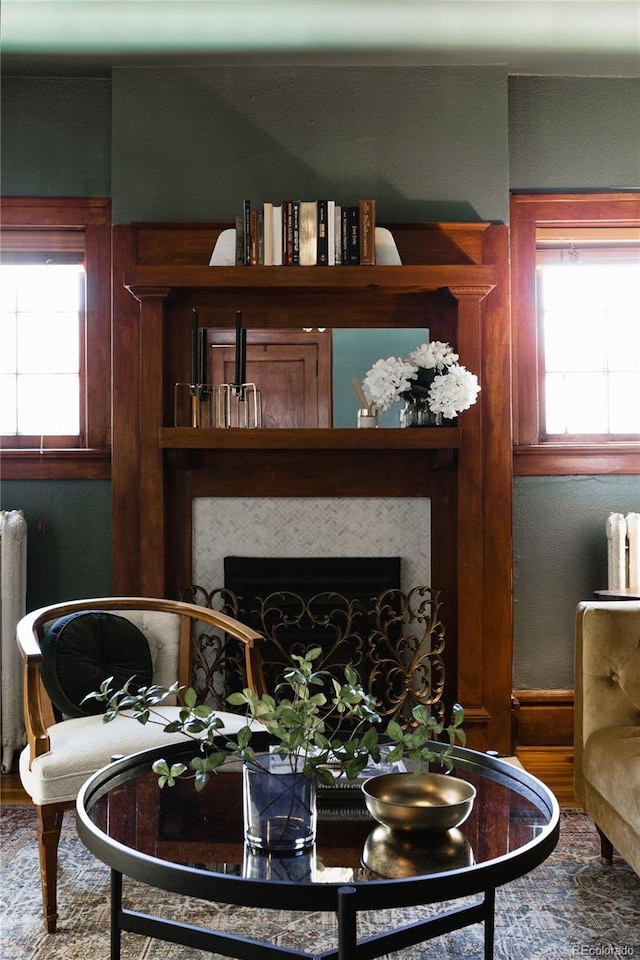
x: 331, y: 232
x: 277, y: 235
x: 267, y: 234
x: 338, y: 234
x: 308, y: 233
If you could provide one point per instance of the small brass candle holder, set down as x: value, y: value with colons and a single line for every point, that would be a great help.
x: 201, y: 404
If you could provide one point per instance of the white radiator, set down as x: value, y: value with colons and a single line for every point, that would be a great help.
x: 13, y: 575
x: 623, y: 551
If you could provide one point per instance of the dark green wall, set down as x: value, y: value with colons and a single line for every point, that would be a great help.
x: 429, y: 143
x: 56, y: 137
x: 68, y: 537
x: 560, y: 559
x: 574, y: 133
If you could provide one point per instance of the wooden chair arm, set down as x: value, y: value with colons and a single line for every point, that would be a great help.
x: 38, y: 710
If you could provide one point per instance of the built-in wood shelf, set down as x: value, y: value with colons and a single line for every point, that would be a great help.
x: 405, y: 279
x: 344, y: 438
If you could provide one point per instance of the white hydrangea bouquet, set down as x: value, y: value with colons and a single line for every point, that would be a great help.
x: 430, y: 377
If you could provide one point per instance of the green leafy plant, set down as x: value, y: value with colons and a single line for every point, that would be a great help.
x: 319, y: 735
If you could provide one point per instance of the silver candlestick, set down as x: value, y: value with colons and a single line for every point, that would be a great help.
x: 239, y: 405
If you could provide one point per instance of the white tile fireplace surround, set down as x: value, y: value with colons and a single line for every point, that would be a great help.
x: 311, y: 527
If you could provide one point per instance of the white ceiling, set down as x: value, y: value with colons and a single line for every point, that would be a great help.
x: 555, y: 37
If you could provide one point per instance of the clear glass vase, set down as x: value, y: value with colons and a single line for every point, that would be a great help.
x: 279, y: 806
x: 416, y: 413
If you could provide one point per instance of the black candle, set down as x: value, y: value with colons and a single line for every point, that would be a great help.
x: 195, y: 348
x: 204, y: 373
x: 238, y: 371
x: 243, y: 355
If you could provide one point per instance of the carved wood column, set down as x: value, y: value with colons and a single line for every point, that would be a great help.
x: 151, y: 505
x: 471, y: 523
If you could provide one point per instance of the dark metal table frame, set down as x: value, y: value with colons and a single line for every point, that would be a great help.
x: 345, y: 900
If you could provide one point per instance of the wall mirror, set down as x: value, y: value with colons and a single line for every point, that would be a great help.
x: 305, y: 375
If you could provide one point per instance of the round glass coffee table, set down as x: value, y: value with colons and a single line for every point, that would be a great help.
x: 192, y: 843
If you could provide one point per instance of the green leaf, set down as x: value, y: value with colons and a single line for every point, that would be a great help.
x: 243, y: 736
x: 237, y: 699
x: 395, y: 753
x: 395, y: 731
x: 174, y: 727
x: 200, y: 781
x: 324, y: 776
x: 190, y: 698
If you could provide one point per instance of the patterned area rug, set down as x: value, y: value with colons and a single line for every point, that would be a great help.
x: 568, y: 907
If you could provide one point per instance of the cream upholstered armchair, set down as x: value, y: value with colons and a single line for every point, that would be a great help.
x: 67, y: 650
x: 607, y: 723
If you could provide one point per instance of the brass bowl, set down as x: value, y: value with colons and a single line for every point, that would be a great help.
x: 419, y: 802
x: 392, y: 854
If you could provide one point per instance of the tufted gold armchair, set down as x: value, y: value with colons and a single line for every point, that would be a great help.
x: 69, y: 648
x: 607, y: 723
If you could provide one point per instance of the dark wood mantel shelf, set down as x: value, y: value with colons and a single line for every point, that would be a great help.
x: 381, y: 438
x: 391, y: 278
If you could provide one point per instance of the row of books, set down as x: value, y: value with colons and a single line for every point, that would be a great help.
x: 306, y: 233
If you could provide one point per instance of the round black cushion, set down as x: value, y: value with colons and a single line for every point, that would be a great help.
x: 82, y: 650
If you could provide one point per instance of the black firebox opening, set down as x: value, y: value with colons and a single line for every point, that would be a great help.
x: 302, y: 602
x: 351, y: 577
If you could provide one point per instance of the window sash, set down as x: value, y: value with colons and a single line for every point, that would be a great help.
x: 575, y: 257
x: 68, y: 223
x: 530, y: 213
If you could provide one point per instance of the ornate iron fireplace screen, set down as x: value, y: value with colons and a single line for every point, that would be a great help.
x: 395, y: 642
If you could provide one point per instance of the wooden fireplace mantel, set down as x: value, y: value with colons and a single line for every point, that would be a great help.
x: 141, y: 281
x: 343, y: 438
x: 454, y: 280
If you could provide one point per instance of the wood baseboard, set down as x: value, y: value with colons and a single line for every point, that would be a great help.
x: 543, y: 717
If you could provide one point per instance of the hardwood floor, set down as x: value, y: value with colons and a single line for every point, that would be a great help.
x: 552, y: 765
x: 11, y: 789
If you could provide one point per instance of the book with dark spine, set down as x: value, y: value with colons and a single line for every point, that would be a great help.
x: 246, y: 213
x: 344, y: 236
x: 239, y: 241
x: 287, y: 232
x: 323, y: 233
x: 253, y: 233
x: 367, y: 232
x: 353, y: 238
x: 295, y: 231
